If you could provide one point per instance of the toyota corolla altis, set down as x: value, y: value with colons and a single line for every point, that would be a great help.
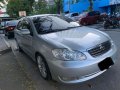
x: 63, y: 50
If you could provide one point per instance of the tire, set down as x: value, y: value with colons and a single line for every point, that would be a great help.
x: 20, y: 49
x: 9, y: 36
x: 84, y: 23
x: 43, y: 68
x: 5, y: 34
x: 97, y: 21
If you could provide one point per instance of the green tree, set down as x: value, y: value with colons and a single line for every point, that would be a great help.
x: 40, y: 7
x: 14, y: 6
x: 58, y: 4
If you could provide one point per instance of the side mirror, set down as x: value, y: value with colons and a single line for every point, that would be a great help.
x: 25, y: 31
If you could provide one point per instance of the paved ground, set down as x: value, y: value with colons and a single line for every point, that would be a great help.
x: 12, y: 75
x: 100, y: 27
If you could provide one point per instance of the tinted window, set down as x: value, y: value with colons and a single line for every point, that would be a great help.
x: 94, y: 13
x: 74, y: 14
x: 91, y: 14
x: 19, y: 26
x: 25, y: 24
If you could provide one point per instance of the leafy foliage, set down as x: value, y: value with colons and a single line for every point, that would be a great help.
x: 58, y: 4
x: 14, y: 6
x: 32, y: 7
x: 42, y: 7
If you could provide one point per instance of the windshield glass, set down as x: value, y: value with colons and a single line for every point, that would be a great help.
x: 47, y: 24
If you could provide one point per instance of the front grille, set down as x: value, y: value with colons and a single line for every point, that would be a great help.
x: 100, y: 49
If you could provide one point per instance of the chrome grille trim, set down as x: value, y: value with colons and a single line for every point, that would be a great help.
x: 100, y: 49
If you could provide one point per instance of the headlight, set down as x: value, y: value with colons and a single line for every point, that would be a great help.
x: 65, y: 54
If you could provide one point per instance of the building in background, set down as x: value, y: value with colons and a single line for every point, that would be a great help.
x: 108, y: 6
x: 3, y: 7
x: 3, y: 12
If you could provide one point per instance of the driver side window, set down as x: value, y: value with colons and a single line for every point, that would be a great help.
x: 19, y: 26
x: 25, y: 25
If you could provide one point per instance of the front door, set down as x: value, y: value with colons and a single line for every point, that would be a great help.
x: 27, y: 40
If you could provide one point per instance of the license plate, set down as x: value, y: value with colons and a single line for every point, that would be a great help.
x: 105, y: 64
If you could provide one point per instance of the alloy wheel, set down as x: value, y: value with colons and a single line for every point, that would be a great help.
x: 42, y: 67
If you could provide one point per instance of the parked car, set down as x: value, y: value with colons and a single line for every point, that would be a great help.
x: 73, y: 16
x: 87, y: 18
x: 3, y: 21
x: 9, y: 28
x: 64, y: 51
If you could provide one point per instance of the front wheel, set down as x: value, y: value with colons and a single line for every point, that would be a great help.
x: 43, y: 68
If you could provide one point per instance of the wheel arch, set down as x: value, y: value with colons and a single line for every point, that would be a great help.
x: 38, y: 53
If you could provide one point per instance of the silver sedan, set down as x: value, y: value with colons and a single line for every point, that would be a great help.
x: 63, y: 50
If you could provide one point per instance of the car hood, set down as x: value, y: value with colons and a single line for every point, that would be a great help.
x: 81, y: 38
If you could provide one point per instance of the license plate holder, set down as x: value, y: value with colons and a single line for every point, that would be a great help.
x: 105, y: 64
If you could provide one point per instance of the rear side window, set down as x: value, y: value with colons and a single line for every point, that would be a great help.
x: 91, y: 14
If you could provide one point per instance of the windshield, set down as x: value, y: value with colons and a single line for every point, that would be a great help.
x: 47, y: 24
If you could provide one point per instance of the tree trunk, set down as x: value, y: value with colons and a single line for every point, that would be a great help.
x: 91, y: 5
x: 58, y: 7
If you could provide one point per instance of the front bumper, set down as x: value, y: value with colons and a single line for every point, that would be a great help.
x: 79, y: 71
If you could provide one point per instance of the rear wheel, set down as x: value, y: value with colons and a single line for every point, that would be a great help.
x: 9, y: 36
x: 43, y: 68
x: 84, y: 23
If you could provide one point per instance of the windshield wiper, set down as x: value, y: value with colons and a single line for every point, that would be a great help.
x: 56, y: 30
